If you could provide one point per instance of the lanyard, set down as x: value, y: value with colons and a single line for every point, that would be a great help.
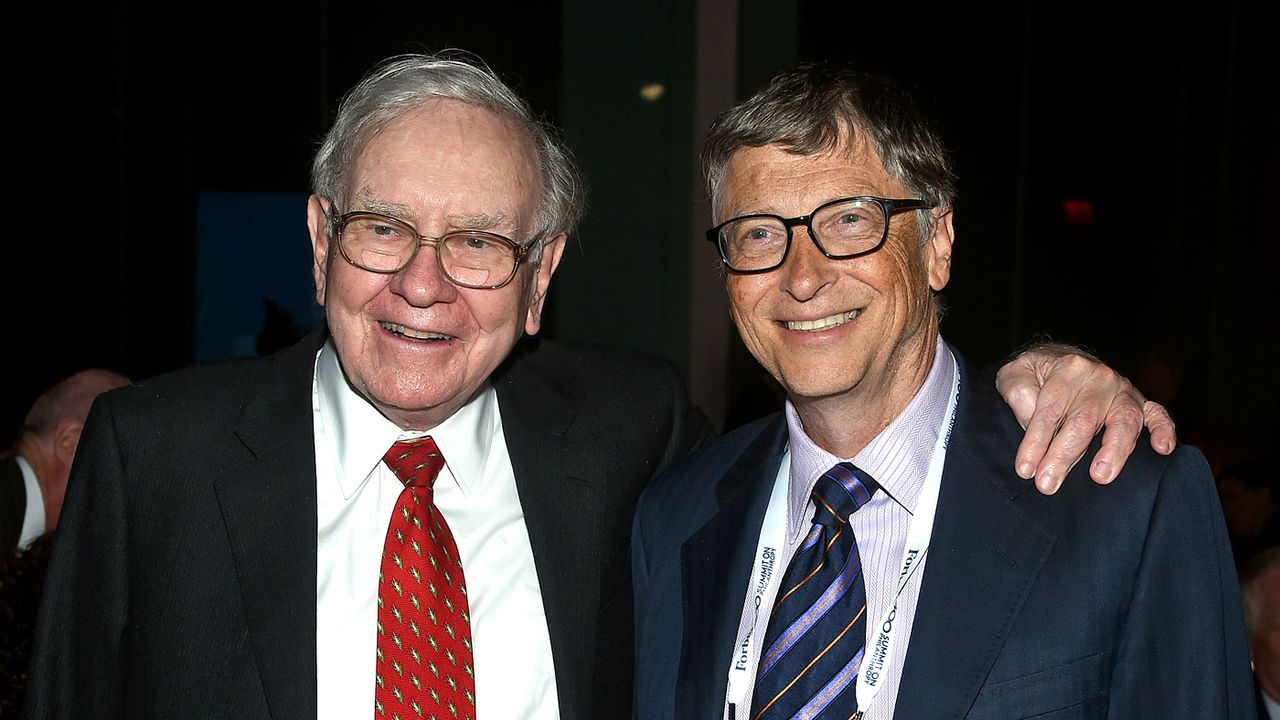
x: 881, y: 649
x: 764, y: 575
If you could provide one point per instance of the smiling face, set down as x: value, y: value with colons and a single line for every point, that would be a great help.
x: 839, y: 335
x: 413, y: 344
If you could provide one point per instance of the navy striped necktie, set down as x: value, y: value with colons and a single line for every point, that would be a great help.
x: 813, y: 645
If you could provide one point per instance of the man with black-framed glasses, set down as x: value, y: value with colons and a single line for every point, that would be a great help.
x: 413, y: 513
x: 841, y: 229
x: 867, y: 552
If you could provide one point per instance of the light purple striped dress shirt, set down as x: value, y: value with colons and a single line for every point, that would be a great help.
x: 898, y: 458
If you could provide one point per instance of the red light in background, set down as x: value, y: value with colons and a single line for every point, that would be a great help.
x: 1077, y: 212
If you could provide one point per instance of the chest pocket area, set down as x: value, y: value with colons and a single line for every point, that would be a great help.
x: 1073, y: 690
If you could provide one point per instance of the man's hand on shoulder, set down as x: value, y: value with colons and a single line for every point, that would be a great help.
x: 1063, y: 396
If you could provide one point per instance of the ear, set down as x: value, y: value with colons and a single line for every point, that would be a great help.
x: 318, y: 226
x: 66, y: 437
x: 551, y: 251
x: 938, y: 249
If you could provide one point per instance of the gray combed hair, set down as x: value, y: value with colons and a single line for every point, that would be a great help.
x: 813, y: 108
x: 401, y: 84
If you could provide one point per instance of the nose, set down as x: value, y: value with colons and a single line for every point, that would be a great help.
x: 421, y: 283
x: 806, y: 271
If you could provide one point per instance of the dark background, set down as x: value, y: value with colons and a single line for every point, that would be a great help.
x: 1164, y: 125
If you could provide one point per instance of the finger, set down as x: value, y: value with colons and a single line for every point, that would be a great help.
x: 1073, y: 438
x: 1164, y: 434
x: 1099, y: 388
x: 1123, y: 425
x: 1063, y: 381
x: 1019, y: 386
x: 1041, y: 427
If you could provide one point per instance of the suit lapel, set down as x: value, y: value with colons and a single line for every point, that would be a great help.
x: 978, y: 574
x: 268, y: 499
x: 561, y: 504
x: 716, y: 564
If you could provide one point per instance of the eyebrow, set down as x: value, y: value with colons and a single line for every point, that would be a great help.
x: 395, y: 210
x: 470, y: 221
x: 777, y: 213
x: 481, y: 221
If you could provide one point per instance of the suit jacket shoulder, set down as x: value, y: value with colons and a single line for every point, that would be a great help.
x: 609, y: 417
x: 190, y: 530
x: 591, y: 390
x: 1116, y: 600
x: 692, y: 545
x: 587, y: 427
x: 217, y: 395
x: 687, y: 492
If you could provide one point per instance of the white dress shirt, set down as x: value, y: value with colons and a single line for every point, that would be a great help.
x: 476, y: 493
x: 33, y: 519
x: 898, y: 459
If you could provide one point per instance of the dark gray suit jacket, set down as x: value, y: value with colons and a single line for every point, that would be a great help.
x: 183, y: 582
x: 1102, y: 601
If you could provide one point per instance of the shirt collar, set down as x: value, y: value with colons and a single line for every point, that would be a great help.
x: 898, y: 458
x: 33, y: 520
x: 361, y: 434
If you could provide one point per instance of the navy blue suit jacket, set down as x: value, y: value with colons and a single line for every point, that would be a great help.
x: 183, y: 581
x: 1101, y: 601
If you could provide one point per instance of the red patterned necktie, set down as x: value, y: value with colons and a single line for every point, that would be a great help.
x: 425, y: 668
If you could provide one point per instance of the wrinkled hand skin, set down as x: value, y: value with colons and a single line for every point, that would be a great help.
x: 1063, y: 397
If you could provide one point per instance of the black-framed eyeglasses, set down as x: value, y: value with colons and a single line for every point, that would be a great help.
x: 468, y: 258
x: 841, y: 229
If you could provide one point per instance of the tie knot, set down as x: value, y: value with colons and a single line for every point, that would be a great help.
x: 415, y: 462
x: 840, y: 492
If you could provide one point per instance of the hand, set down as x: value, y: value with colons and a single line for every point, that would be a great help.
x: 1062, y: 398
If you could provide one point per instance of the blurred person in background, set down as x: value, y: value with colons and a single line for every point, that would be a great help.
x: 32, y: 483
x: 33, y: 479
x: 1260, y: 587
